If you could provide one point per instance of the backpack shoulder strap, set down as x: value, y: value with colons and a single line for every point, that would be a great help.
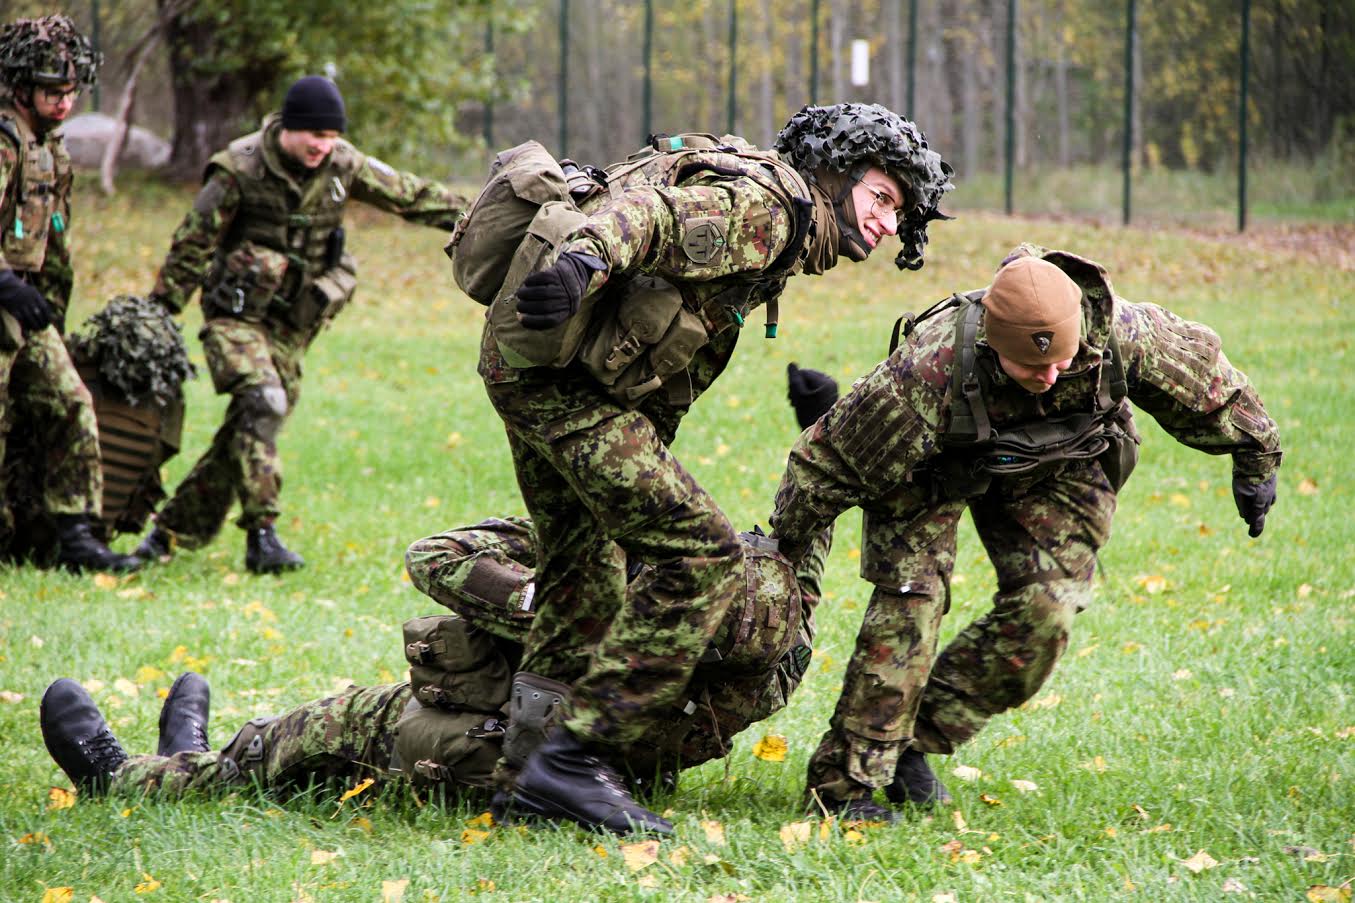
x: 968, y: 414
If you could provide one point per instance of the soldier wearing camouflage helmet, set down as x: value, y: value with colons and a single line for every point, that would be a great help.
x: 445, y: 727
x: 265, y: 242
x: 674, y: 250
x: 44, y: 63
x: 1011, y: 402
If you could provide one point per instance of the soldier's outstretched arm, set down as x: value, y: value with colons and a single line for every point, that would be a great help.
x: 1176, y: 371
x: 412, y: 198
x: 195, y: 241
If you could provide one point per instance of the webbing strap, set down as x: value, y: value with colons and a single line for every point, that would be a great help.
x: 968, y: 414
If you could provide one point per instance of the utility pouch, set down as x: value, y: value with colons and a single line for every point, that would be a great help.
x: 11, y: 333
x: 329, y: 293
x: 1119, y: 460
x: 334, y: 247
x: 755, y: 639
x: 484, y: 245
x: 539, y: 248
x: 439, y: 747
x: 455, y: 666
x: 244, y: 282
x: 642, y: 339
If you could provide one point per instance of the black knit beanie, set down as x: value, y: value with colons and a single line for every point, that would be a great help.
x: 313, y: 104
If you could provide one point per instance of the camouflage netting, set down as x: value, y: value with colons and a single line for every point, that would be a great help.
x: 137, y: 349
x: 846, y: 134
x: 48, y: 50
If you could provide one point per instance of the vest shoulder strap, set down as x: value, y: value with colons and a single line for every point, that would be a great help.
x: 904, y: 325
x: 969, y: 421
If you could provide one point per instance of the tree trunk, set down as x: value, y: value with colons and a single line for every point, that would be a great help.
x: 1061, y: 89
x: 210, y: 109
x: 836, y: 27
x: 766, y: 115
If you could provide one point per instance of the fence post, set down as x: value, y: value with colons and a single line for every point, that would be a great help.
x: 1127, y: 161
x: 1011, y: 102
x: 911, y: 111
x: 814, y: 51
x: 649, y: 63
x: 1242, y: 120
x: 562, y: 103
x: 489, y: 98
x: 94, y: 36
x: 733, y: 62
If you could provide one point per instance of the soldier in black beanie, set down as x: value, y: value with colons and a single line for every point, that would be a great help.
x: 265, y: 242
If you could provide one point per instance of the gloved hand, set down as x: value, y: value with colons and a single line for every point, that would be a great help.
x: 23, y: 302
x: 551, y: 296
x: 1253, y: 501
x: 811, y: 393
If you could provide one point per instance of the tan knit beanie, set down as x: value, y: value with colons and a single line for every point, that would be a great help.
x: 1033, y: 313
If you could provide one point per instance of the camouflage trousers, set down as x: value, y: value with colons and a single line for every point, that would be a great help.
x: 1042, y: 535
x: 603, y: 489
x: 43, y: 399
x: 485, y: 573
x: 341, y: 738
x: 259, y: 365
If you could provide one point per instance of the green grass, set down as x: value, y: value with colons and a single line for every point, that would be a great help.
x: 1207, y: 689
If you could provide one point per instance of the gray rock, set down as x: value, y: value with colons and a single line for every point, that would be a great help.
x: 89, y: 133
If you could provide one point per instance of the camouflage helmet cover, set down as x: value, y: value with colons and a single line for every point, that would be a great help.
x: 845, y: 135
x: 46, y: 51
x: 137, y: 349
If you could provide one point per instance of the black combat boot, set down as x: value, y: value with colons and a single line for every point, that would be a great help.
x: 563, y: 779
x: 78, y: 737
x: 156, y: 546
x: 183, y: 718
x: 915, y: 782
x: 265, y: 553
x: 79, y: 550
x: 862, y: 808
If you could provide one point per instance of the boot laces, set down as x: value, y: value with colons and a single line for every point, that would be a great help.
x: 103, y: 750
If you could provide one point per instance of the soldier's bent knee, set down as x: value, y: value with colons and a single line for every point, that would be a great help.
x: 263, y: 409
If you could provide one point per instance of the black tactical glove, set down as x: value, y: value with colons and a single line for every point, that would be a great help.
x: 23, y: 302
x: 1253, y: 501
x: 811, y: 393
x: 551, y: 296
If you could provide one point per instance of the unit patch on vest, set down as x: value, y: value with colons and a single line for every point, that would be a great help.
x: 1042, y: 341
x: 703, y: 242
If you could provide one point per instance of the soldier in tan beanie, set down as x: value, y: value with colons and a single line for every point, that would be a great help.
x: 1011, y: 402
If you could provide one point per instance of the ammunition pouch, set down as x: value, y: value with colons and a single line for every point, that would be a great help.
x: 455, y: 666
x: 641, y: 337
x: 245, y: 751
x: 436, y: 747
x: 244, y: 282
x: 537, y: 703
x: 327, y: 295
x: 1122, y: 454
x: 758, y: 638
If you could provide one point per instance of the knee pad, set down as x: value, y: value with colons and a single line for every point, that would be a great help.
x: 244, y: 754
x: 264, y: 408
x: 537, y: 703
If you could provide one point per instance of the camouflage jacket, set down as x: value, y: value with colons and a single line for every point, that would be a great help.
x: 890, y: 426
x: 216, y: 223
x: 35, y: 208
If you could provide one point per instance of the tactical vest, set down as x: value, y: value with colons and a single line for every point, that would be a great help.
x: 974, y: 450
x: 298, y: 223
x: 32, y: 209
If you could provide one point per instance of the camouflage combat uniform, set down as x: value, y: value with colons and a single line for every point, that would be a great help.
x: 880, y: 448
x: 38, y: 382
x: 484, y: 573
x: 596, y: 473
x: 264, y: 240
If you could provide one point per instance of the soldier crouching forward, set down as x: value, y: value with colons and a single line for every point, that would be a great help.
x: 1011, y: 402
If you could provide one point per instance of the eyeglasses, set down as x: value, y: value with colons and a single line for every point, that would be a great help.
x: 882, y: 204
x: 55, y: 96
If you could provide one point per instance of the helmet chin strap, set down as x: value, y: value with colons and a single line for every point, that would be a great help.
x: 838, y: 186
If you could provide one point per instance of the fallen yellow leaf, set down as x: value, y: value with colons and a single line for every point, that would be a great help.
x: 851, y: 835
x: 483, y: 820
x: 105, y: 581
x: 601, y: 851
x: 148, y: 884
x: 650, y: 881
x: 324, y: 857
x: 1324, y: 893
x: 715, y: 832
x: 640, y: 855
x: 1200, y: 861
x: 470, y: 836
x: 364, y: 823
x: 36, y: 837
x: 1013, y: 740
x: 148, y: 674
x: 967, y: 773
x: 11, y: 697
x: 393, y: 891
x: 1233, y: 886
x: 958, y: 817
x: 795, y: 834
x: 990, y: 800
x: 60, y: 798
x: 1307, y: 486
x: 1025, y: 786
x: 357, y: 788
x: 58, y: 895
x: 771, y: 748
x: 680, y: 856
x: 1097, y: 764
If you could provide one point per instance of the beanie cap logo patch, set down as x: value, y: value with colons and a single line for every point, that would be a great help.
x: 1043, y: 340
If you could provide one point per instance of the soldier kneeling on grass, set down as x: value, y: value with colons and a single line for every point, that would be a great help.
x: 446, y: 727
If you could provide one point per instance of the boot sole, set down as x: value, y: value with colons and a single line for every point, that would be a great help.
x: 526, y: 804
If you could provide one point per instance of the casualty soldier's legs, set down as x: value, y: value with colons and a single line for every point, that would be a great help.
x: 340, y: 738
x: 1042, y: 540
